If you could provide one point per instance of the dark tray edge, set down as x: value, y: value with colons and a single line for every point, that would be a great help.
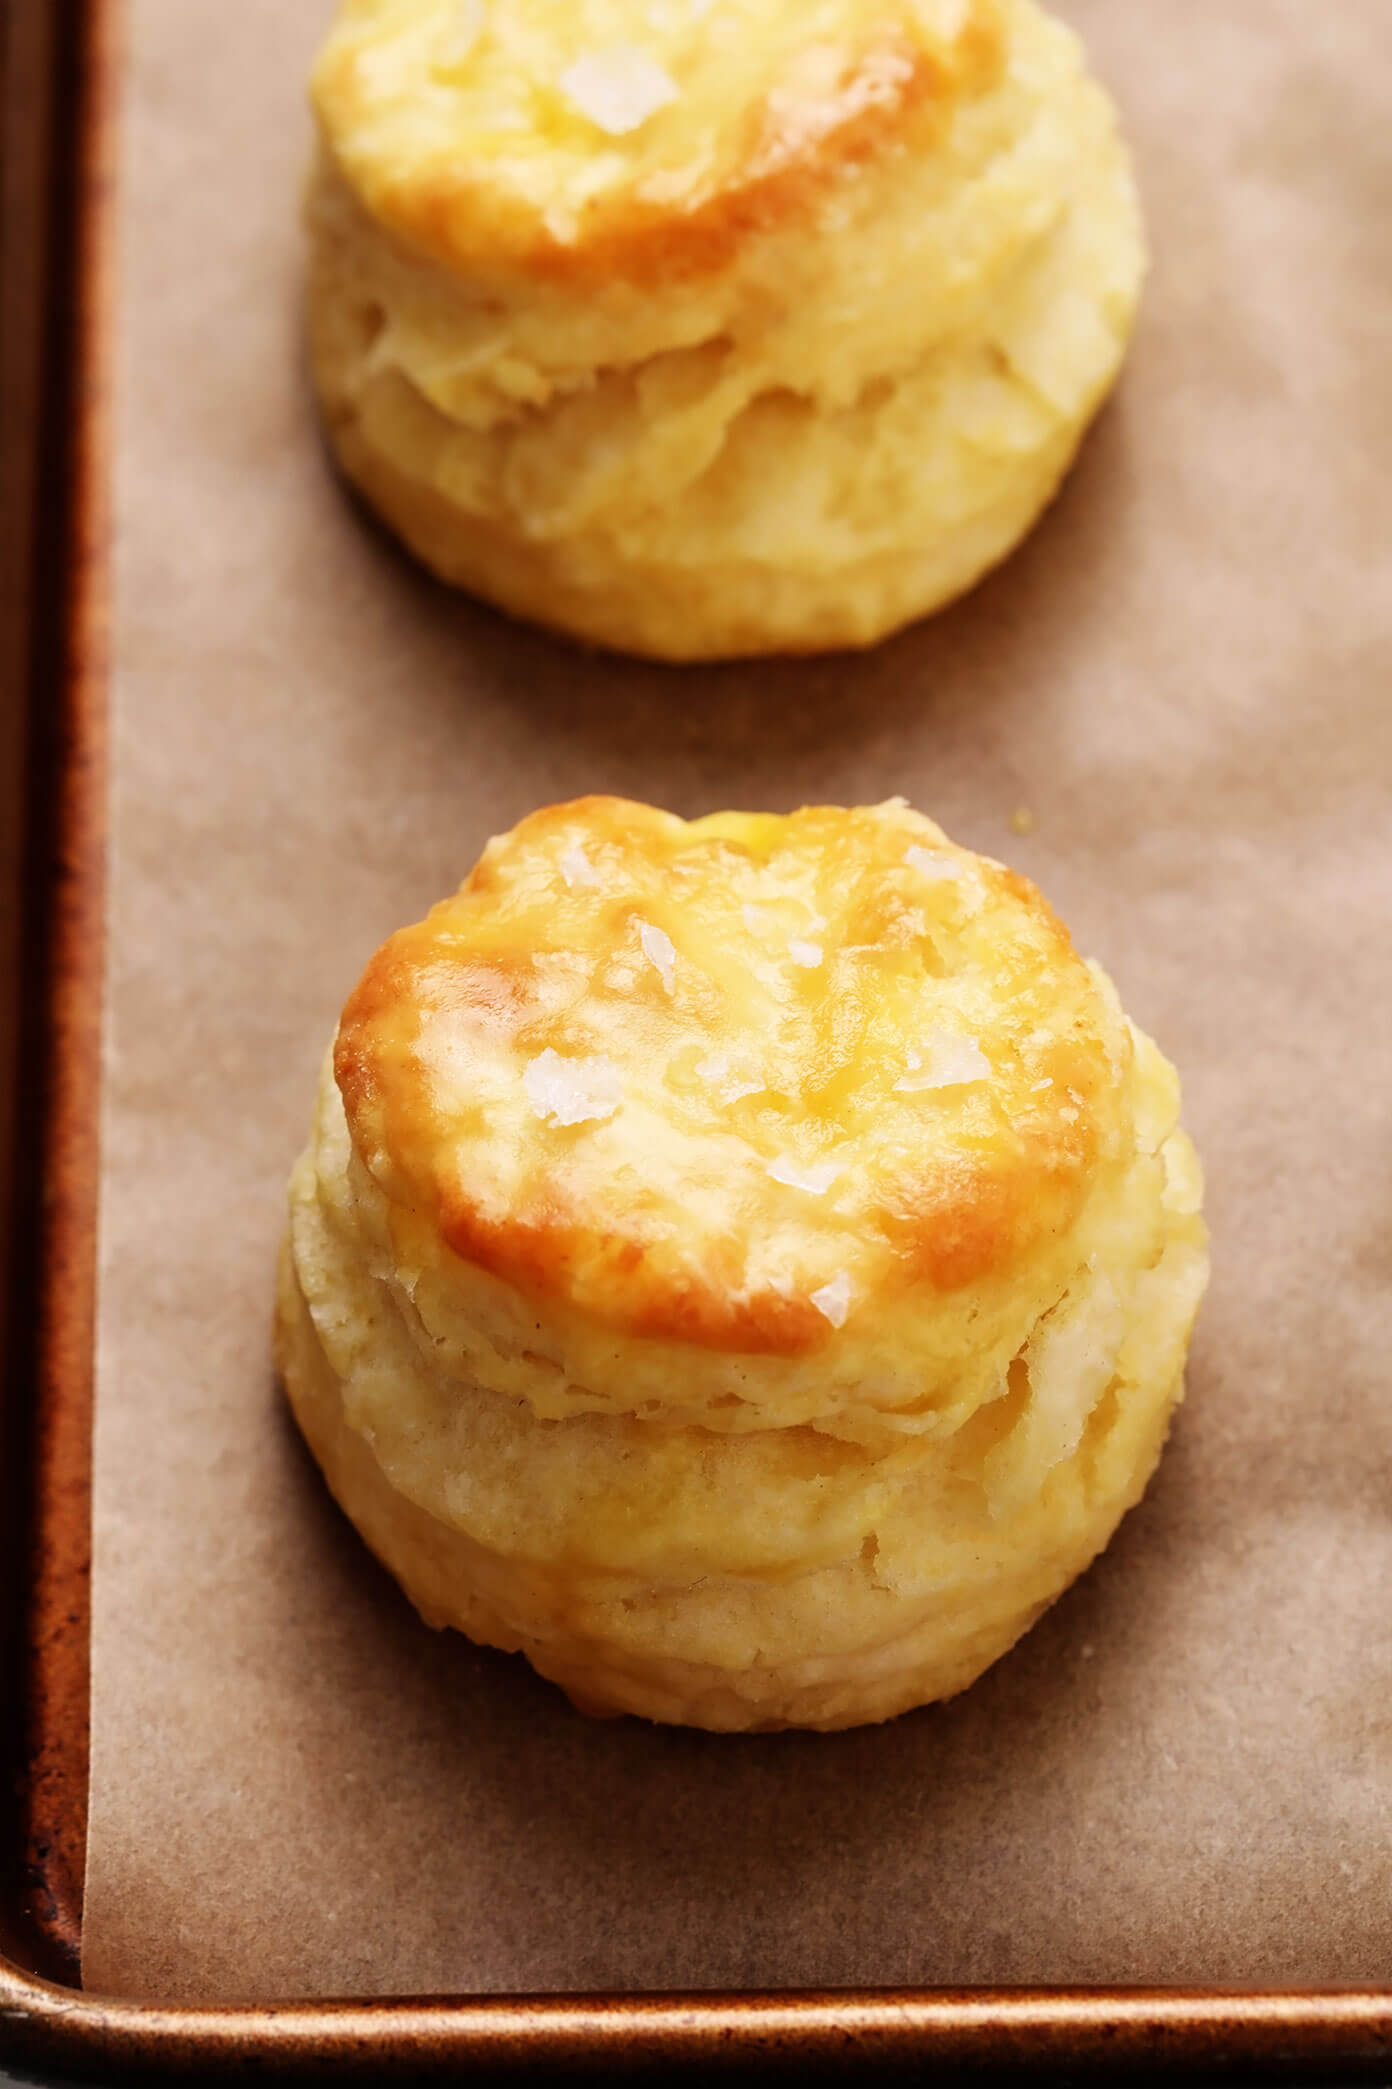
x: 61, y: 69
x: 45, y: 2020
x: 1110, y: 2034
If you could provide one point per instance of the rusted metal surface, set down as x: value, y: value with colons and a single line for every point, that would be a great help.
x: 64, y: 90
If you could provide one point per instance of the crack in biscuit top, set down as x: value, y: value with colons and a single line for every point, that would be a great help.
x: 628, y: 135
x: 606, y: 1073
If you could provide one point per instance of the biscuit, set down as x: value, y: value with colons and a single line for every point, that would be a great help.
x: 701, y: 330
x: 746, y: 1265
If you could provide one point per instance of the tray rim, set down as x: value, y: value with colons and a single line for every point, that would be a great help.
x: 47, y: 2021
x: 63, y: 64
x: 1098, y: 2033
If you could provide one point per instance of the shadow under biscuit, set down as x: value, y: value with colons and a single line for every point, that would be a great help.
x: 771, y: 731
x: 933, y: 1848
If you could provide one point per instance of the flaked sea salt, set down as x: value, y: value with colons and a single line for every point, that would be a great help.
x: 572, y: 1091
x: 576, y: 867
x: 833, y: 1300
x: 659, y: 950
x: 951, y: 1062
x: 932, y: 863
x: 618, y: 89
x: 816, y: 1180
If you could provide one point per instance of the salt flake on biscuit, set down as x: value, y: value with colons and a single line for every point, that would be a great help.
x: 576, y: 867
x: 952, y: 1062
x: 660, y: 952
x: 572, y: 1091
x: 618, y: 89
x: 833, y: 1300
x: 933, y: 863
x: 816, y: 1180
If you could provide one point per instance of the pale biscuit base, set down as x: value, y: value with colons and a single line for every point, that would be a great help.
x: 837, y: 422
x: 956, y: 1546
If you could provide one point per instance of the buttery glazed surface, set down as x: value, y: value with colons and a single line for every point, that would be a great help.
x: 834, y: 1079
x: 509, y: 130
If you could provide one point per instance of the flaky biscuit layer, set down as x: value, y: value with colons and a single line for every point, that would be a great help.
x: 760, y: 1580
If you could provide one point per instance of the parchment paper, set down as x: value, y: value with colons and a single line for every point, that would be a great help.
x: 1185, y: 1773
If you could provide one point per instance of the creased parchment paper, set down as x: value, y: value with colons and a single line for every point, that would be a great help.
x: 1185, y: 1773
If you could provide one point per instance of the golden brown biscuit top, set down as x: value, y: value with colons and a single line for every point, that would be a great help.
x: 729, y: 1083
x: 629, y: 136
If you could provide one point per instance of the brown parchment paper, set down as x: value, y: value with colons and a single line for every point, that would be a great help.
x: 1185, y: 1772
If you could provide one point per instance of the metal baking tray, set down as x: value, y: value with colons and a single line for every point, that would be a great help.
x: 60, y: 70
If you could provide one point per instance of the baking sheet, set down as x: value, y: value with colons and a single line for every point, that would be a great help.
x: 1185, y: 1773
